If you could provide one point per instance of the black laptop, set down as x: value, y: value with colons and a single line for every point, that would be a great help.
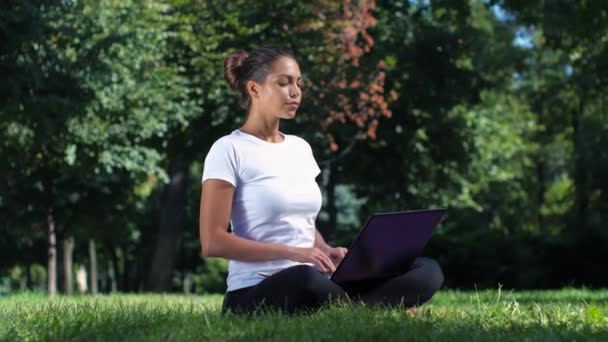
x: 387, y: 245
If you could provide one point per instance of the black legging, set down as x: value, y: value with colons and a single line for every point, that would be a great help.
x: 303, y: 287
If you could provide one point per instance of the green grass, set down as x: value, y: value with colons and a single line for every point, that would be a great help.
x: 452, y: 315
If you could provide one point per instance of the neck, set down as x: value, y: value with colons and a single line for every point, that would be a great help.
x: 262, y: 127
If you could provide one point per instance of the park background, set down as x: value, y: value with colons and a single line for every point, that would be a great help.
x: 494, y: 109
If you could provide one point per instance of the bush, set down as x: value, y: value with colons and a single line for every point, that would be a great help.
x: 212, y: 278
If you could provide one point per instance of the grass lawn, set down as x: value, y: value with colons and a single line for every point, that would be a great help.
x: 452, y: 315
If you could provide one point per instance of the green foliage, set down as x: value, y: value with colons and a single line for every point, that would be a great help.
x: 501, y: 154
x: 212, y: 278
x: 94, y: 97
x: 140, y: 97
x: 98, y: 98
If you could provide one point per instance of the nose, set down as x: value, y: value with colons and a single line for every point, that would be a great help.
x: 294, y: 92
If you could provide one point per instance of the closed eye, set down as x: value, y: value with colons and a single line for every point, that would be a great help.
x: 286, y: 79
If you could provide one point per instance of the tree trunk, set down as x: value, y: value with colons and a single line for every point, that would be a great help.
x: 173, y: 203
x: 114, y: 266
x: 331, y: 201
x: 128, y: 271
x: 141, y: 275
x: 81, y: 279
x: 68, y: 253
x: 23, y: 282
x: 131, y: 275
x: 540, y: 195
x: 52, y: 262
x: 580, y: 173
x: 103, y: 281
x: 112, y: 276
x: 187, y: 282
x: 93, y: 261
x: 28, y: 276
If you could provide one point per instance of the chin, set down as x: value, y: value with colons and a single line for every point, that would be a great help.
x: 288, y: 115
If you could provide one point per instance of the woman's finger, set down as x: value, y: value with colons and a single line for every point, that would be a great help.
x: 321, y: 264
x: 327, y: 260
x: 322, y: 260
x: 317, y: 259
x: 329, y: 263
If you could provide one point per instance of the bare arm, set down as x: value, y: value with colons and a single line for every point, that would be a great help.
x: 215, y: 210
x: 320, y: 242
x: 216, y: 204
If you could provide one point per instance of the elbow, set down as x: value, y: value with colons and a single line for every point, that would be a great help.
x: 209, y: 247
x: 206, y: 248
x: 207, y: 252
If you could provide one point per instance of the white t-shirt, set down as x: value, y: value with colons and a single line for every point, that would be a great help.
x: 276, y: 199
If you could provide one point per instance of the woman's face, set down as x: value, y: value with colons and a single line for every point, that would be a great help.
x: 281, y: 92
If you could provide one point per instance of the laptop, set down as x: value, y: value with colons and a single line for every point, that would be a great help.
x: 387, y: 245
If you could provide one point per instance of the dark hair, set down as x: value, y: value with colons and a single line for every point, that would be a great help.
x: 241, y: 67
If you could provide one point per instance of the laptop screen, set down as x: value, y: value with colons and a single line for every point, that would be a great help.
x: 387, y: 245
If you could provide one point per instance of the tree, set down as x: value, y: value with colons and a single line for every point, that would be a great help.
x: 93, y: 94
x: 566, y: 85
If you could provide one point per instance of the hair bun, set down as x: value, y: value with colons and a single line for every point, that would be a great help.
x: 233, y: 69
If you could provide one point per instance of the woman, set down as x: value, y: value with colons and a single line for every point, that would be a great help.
x: 262, y: 181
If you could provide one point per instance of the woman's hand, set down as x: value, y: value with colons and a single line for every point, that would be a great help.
x: 336, y: 254
x: 312, y: 255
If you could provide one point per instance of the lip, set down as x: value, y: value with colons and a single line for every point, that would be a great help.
x: 293, y: 105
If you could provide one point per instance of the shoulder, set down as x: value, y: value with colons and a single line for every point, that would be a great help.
x: 299, y: 141
x: 222, y: 161
x: 226, y: 142
x: 224, y: 148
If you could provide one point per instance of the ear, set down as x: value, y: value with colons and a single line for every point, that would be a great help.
x: 253, y: 89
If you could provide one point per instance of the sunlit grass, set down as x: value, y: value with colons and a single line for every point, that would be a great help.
x: 568, y: 314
